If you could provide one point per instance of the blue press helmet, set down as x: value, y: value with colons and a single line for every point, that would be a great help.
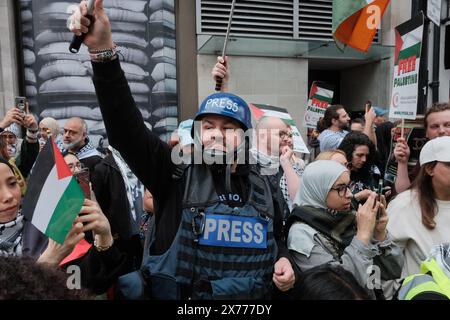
x: 228, y: 105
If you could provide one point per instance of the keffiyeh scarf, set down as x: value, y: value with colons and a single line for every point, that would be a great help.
x: 11, y: 237
x: 87, y: 151
x: 134, y: 190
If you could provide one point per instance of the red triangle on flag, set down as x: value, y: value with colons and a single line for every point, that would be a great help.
x: 62, y: 168
x: 80, y: 249
x: 313, y: 90
x: 398, y: 44
x: 257, y: 112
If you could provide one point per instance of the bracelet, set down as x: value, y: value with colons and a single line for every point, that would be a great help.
x: 102, y: 248
x: 101, y: 50
x: 32, y: 135
x: 104, y: 54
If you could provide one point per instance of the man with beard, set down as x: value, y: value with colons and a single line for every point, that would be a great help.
x: 337, y: 120
x: 76, y: 140
x: 217, y: 231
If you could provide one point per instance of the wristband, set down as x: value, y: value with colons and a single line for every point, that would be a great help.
x: 103, y: 55
x: 32, y: 135
x: 102, y: 248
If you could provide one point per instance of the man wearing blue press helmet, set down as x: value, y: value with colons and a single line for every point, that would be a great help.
x: 216, y: 229
x: 219, y: 126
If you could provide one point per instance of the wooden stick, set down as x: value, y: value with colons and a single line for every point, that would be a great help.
x: 402, y: 126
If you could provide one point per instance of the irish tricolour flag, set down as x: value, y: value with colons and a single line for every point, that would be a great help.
x: 355, y: 22
x: 54, y: 197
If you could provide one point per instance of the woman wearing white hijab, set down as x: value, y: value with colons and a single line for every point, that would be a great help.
x: 323, y: 229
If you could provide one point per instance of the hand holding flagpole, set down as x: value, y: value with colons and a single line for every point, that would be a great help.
x: 224, y: 49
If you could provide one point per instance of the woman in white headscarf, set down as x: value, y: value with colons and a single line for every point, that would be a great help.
x: 323, y: 229
x: 48, y: 127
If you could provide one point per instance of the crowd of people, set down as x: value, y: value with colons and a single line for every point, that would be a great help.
x: 250, y: 220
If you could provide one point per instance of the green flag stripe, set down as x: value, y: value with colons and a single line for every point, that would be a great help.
x: 342, y: 9
x: 322, y: 98
x: 409, y: 52
x: 65, y: 212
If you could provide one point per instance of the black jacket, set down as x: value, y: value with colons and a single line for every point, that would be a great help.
x: 110, y: 193
x: 90, y: 163
x: 98, y: 270
x: 27, y: 157
x: 148, y: 156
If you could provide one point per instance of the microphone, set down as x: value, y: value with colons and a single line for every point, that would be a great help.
x: 78, y: 40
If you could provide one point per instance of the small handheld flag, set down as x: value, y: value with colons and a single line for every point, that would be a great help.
x: 54, y: 197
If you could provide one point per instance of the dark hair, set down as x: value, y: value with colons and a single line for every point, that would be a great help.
x: 4, y: 147
x: 4, y: 161
x: 328, y: 282
x: 331, y: 113
x: 426, y: 195
x: 359, y: 120
x: 67, y: 152
x: 354, y: 139
x: 23, y: 279
x: 436, y: 107
x: 320, y: 125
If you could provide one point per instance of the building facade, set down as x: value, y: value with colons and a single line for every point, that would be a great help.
x: 277, y: 49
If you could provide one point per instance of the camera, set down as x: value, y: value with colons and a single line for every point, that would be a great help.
x: 381, y: 190
x: 83, y: 180
x: 21, y: 104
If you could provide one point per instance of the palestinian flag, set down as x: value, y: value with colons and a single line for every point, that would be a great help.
x: 321, y: 94
x: 408, y: 40
x: 355, y: 22
x: 407, y: 92
x: 260, y: 111
x: 54, y: 197
x: 320, y: 98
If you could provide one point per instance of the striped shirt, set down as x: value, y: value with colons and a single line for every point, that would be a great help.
x: 330, y: 140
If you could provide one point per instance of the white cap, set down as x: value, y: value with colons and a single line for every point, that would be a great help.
x: 437, y: 149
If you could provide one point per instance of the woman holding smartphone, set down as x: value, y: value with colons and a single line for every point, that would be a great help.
x: 323, y: 229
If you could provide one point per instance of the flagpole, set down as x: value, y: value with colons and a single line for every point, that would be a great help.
x: 402, y: 127
x: 224, y: 49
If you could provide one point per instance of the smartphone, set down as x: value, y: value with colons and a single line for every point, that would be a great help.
x: 21, y: 104
x: 379, y: 194
x: 83, y: 180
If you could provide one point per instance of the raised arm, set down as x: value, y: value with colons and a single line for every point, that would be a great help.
x: 144, y: 152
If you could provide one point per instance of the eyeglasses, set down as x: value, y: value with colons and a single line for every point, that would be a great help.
x: 341, y: 189
x: 284, y: 134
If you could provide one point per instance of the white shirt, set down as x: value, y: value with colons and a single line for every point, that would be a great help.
x: 406, y: 228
